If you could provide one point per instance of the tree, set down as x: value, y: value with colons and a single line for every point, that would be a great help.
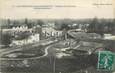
x: 5, y: 39
x: 113, y: 26
x: 40, y: 22
x: 65, y: 26
x: 93, y: 25
x: 29, y: 25
x: 58, y: 25
x: 8, y: 23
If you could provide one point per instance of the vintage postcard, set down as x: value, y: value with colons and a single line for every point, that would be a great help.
x: 57, y: 36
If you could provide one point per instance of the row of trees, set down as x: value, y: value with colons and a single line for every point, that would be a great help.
x: 101, y: 26
x: 63, y: 24
x: 95, y: 25
x: 26, y: 22
x: 30, y: 24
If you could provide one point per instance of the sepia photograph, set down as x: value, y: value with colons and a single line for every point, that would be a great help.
x: 57, y: 37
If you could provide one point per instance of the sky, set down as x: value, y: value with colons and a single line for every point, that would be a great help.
x: 56, y: 9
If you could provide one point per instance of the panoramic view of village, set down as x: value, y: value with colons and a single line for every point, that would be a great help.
x: 57, y: 45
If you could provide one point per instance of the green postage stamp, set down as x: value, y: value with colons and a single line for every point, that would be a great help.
x: 106, y: 60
